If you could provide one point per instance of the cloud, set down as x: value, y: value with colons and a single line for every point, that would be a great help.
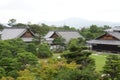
x: 55, y: 10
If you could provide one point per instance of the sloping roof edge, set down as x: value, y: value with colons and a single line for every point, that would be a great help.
x: 105, y: 34
x: 106, y: 42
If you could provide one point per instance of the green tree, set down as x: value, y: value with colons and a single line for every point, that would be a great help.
x: 9, y: 65
x: 7, y: 78
x: 73, y: 45
x: 112, y: 67
x: 85, y: 62
x: 93, y: 31
x: 55, y: 69
x: 13, y: 56
x: 59, y: 41
x: 60, y: 44
x: 1, y: 26
x: 2, y: 72
x: 93, y: 28
x: 80, y: 57
x: 39, y: 30
x: 25, y: 75
x: 31, y: 47
x: 44, y: 51
x: 81, y: 41
x: 12, y: 22
x: 19, y: 25
x: 26, y: 58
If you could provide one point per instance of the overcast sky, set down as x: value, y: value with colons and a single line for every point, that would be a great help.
x: 56, y: 10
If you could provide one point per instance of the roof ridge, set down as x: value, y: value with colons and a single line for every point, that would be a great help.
x: 15, y: 28
x: 64, y: 30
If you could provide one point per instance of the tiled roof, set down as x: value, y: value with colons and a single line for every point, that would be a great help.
x: 49, y: 34
x: 115, y: 34
x: 114, y: 29
x: 67, y: 35
x: 10, y: 33
x: 108, y: 42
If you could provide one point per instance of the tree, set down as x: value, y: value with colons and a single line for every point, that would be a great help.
x: 80, y: 57
x: 31, y: 47
x: 26, y: 58
x: 7, y: 78
x: 85, y: 62
x: 13, y: 56
x: 44, y: 51
x: 1, y: 26
x: 25, y: 75
x: 81, y: 41
x: 12, y: 22
x: 73, y: 45
x: 2, y: 72
x: 93, y: 31
x: 59, y: 41
x: 66, y: 27
x: 19, y: 25
x: 93, y: 28
x: 60, y: 44
x: 40, y: 31
x: 54, y: 69
x: 112, y: 67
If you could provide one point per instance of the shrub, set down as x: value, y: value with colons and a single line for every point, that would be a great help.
x: 44, y: 51
x: 31, y: 47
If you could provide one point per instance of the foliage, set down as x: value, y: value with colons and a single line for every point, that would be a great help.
x: 12, y: 22
x: 93, y: 31
x: 60, y: 44
x: 31, y: 47
x: 59, y: 41
x: 73, y: 45
x: 12, y: 54
x: 26, y: 58
x: 2, y: 72
x: 19, y: 25
x: 1, y: 26
x: 44, y: 51
x: 68, y: 74
x: 80, y: 57
x: 25, y: 75
x: 81, y: 41
x: 55, y: 69
x: 7, y: 78
x: 87, y: 64
x: 88, y: 74
x: 39, y: 30
x: 112, y: 67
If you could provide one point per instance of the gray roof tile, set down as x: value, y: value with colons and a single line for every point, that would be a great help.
x: 108, y: 42
x: 67, y: 35
x: 10, y: 33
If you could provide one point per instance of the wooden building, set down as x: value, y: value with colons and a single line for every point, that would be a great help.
x: 67, y: 35
x: 110, y: 41
x: 10, y: 33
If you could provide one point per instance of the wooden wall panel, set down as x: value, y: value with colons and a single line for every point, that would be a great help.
x: 27, y: 34
x: 107, y: 37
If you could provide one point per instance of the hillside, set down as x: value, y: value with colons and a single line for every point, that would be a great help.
x: 78, y: 23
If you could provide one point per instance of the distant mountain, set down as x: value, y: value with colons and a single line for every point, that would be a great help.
x: 78, y: 23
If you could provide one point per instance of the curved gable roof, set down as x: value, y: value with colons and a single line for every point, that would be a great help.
x: 10, y: 33
x: 67, y: 35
